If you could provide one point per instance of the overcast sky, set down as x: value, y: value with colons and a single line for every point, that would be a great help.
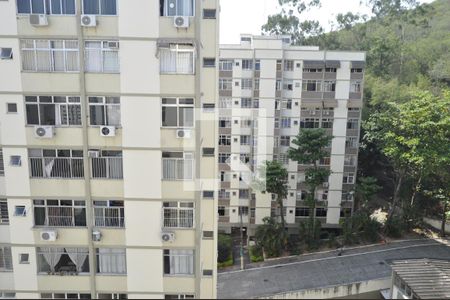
x: 247, y: 16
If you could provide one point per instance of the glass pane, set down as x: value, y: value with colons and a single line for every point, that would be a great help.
x: 32, y: 114
x: 113, y: 115
x: 56, y: 7
x: 37, y: 6
x: 169, y: 116
x: 90, y: 7
x: 47, y: 112
x: 74, y: 114
x: 23, y: 6
x: 97, y: 115
x: 108, y: 7
x: 68, y: 7
x: 186, y: 117
x: 39, y: 216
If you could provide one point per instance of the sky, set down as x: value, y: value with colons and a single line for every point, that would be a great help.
x: 247, y: 16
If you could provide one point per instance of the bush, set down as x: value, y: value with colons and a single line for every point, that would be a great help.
x: 293, y: 244
x: 370, y: 231
x: 332, y: 241
x: 256, y: 254
x: 394, y: 227
x: 271, y: 236
x: 224, y: 248
x: 309, y: 235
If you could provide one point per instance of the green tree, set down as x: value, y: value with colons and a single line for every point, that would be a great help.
x: 311, y: 144
x: 366, y: 188
x: 270, y: 236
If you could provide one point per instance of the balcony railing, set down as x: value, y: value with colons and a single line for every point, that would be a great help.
x: 107, y: 167
x: 56, y: 167
x: 109, y: 216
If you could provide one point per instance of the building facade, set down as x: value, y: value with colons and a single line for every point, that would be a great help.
x: 268, y: 91
x: 108, y: 135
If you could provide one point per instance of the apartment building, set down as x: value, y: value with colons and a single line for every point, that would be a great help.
x: 268, y: 91
x: 108, y: 164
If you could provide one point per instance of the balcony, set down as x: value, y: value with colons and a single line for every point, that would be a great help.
x: 56, y: 167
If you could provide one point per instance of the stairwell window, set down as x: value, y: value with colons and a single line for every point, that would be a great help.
x: 177, y: 59
x: 170, y: 8
x: 5, y: 259
x: 49, y: 7
x: 104, y: 111
x: 59, y: 213
x: 177, y: 112
x: 50, y: 55
x: 178, y: 214
x: 111, y: 261
x: 2, y: 165
x: 178, y: 165
x: 101, y: 56
x: 53, y: 110
x: 100, y: 7
x: 178, y: 262
x: 109, y: 213
x: 4, y: 216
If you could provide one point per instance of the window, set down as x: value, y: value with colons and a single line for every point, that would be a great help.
x: 224, y: 140
x: 15, y: 160
x: 109, y: 213
x: 256, y: 85
x: 178, y: 262
x: 111, y: 261
x: 283, y: 158
x: 224, y: 194
x: 354, y: 109
x: 279, y: 64
x: 104, y: 111
x: 100, y: 7
x: 329, y: 86
x: 6, y: 53
x: 289, y: 65
x: 244, y: 157
x: 325, y: 195
x: 246, y: 84
x: 59, y: 213
x: 225, y: 176
x: 53, y: 110
x: 177, y: 59
x: 209, y: 14
x: 347, y: 195
x: 350, y: 160
x: 4, y: 216
x: 247, y: 64
x: 302, y: 212
x: 351, y: 142
x: 177, y: 8
x: 246, y: 122
x: 349, y: 178
x: 325, y: 161
x: 244, y: 194
x: 245, y: 139
x: 5, y: 295
x: 257, y: 65
x: 285, y: 122
x: 243, y: 211
x: 327, y: 123
x: 221, y: 211
x: 225, y: 84
x: 321, y: 212
x: 355, y: 86
x: 345, y: 212
x: 50, y: 55
x: 59, y: 260
x: 5, y: 259
x: 178, y: 165
x: 224, y: 122
x: 209, y: 62
x: 286, y: 104
x: 178, y: 214
x: 11, y: 107
x: 107, y: 164
x: 52, y: 7
x: 312, y: 85
x: 24, y: 258
x: 69, y: 296
x: 330, y: 70
x: 224, y: 158
x: 278, y: 85
x: 309, y: 123
x: 208, y: 152
x: 288, y: 85
x: 312, y: 70
x: 285, y: 141
x: 208, y: 194
x: 101, y: 56
x: 179, y: 296
x: 208, y: 107
x: 352, y: 124
x: 56, y: 163
x: 225, y: 65
x: 356, y: 70
x: 246, y: 102
x: 225, y: 103
x: 178, y: 112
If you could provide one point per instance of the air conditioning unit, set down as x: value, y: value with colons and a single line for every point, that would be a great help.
x: 181, y: 22
x: 96, y: 236
x: 183, y: 133
x: 88, y: 20
x: 49, y: 236
x: 107, y: 131
x: 168, y: 237
x: 113, y: 45
x: 38, y: 20
x: 326, y: 185
x: 94, y: 153
x: 44, y: 132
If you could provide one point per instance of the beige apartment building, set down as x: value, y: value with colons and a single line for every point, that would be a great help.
x: 108, y: 134
x: 268, y: 91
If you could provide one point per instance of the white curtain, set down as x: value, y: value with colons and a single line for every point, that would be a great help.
x: 169, y: 168
x: 168, y: 60
x: 78, y: 256
x: 49, y: 162
x: 112, y: 261
x: 52, y: 256
x: 93, y: 57
x: 181, y: 262
x: 113, y: 114
x: 185, y: 62
x: 110, y: 61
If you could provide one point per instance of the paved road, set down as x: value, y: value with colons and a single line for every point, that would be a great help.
x: 324, y: 269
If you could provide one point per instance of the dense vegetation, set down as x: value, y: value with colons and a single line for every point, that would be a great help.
x: 404, y: 161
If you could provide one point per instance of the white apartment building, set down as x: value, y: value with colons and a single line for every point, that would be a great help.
x: 107, y: 137
x: 268, y: 91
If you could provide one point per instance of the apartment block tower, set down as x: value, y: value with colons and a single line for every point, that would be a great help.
x: 108, y: 134
x: 268, y: 91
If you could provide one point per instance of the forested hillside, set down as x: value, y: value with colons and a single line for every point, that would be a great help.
x: 405, y: 140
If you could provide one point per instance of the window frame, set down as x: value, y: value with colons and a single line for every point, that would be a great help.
x: 48, y: 11
x: 178, y: 105
x: 165, y: 9
x: 57, y: 110
x: 100, y: 10
x: 178, y: 48
x: 172, y: 254
x: 105, y: 102
x: 49, y: 207
x: 102, y: 50
x: 4, y: 212
x: 180, y: 206
x: 177, y: 156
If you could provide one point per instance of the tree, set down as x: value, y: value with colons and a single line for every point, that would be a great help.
x: 366, y: 188
x: 438, y: 189
x: 311, y: 144
x: 270, y: 236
